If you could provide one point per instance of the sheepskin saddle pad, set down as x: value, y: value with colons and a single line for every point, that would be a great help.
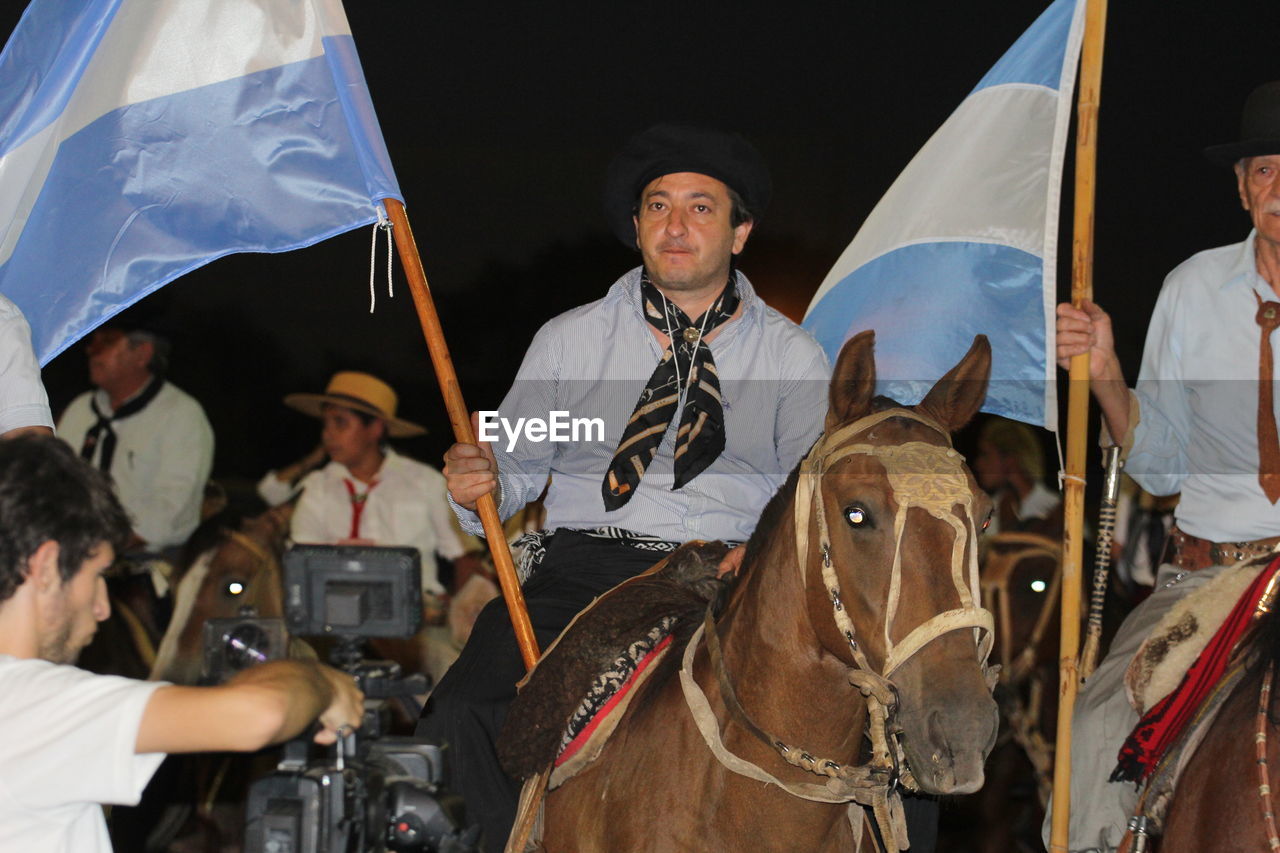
x: 572, y: 700
x: 1182, y: 634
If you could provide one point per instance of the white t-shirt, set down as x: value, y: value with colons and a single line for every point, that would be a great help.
x: 407, y: 506
x: 67, y: 746
x: 23, y: 401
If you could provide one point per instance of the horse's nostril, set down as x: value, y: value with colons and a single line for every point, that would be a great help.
x: 937, y: 732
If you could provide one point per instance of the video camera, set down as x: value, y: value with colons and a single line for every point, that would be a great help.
x: 373, y: 791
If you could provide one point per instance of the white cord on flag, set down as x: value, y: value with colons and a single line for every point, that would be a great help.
x: 1062, y: 465
x: 1063, y: 476
x: 383, y: 224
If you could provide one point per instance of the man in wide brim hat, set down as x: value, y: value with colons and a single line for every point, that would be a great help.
x: 360, y: 392
x: 687, y: 198
x: 1202, y: 422
x: 366, y: 493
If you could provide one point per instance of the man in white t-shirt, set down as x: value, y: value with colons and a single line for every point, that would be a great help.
x: 73, y: 740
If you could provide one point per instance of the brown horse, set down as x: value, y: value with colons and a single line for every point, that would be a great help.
x: 1219, y: 802
x: 856, y: 616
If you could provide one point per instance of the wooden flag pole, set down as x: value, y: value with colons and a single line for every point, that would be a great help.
x: 460, y: 417
x: 1077, y: 414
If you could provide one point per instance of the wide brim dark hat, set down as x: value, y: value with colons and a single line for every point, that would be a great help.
x: 1259, y: 128
x: 665, y: 149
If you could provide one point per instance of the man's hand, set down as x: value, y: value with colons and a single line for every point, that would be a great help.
x: 470, y: 470
x: 1088, y: 329
x: 346, y: 710
x: 732, y: 561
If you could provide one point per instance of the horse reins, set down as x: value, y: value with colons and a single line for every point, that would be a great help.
x: 922, y: 475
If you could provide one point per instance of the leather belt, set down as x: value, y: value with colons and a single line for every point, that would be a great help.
x: 1191, y: 553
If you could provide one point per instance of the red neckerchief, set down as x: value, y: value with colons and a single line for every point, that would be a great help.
x: 358, y: 501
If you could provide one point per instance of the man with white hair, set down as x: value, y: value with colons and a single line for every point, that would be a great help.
x: 151, y: 437
x: 1201, y: 421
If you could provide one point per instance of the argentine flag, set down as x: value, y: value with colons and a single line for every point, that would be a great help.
x: 140, y: 139
x: 965, y: 241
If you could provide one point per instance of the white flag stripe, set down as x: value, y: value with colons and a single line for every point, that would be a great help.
x: 999, y: 197
x: 141, y: 139
x: 147, y: 53
x: 970, y: 230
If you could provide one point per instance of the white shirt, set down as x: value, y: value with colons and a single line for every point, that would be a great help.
x: 594, y: 361
x: 1198, y: 397
x: 68, y: 745
x: 406, y: 507
x: 162, y: 460
x: 23, y: 401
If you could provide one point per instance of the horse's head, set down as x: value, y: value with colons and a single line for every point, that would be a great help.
x: 241, y: 571
x: 887, y: 516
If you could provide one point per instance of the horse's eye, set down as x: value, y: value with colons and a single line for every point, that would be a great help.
x: 857, y: 516
x: 986, y: 522
x: 235, y: 588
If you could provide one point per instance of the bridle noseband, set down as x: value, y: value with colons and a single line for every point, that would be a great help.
x: 922, y: 475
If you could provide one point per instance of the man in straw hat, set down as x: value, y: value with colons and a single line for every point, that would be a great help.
x: 707, y: 398
x: 1201, y: 421
x: 368, y: 494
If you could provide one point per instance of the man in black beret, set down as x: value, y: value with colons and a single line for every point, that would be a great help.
x: 1202, y: 421
x: 695, y: 401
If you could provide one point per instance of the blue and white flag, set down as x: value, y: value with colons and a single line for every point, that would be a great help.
x: 140, y: 139
x: 965, y: 241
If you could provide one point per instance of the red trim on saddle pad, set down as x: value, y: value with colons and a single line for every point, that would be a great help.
x: 585, y: 735
x: 1161, y: 726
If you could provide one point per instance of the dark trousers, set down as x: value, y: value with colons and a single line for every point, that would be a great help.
x: 467, y: 708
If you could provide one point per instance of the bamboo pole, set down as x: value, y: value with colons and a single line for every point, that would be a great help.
x: 460, y: 418
x: 1077, y: 414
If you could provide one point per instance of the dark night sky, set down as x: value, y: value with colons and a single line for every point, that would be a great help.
x: 501, y: 118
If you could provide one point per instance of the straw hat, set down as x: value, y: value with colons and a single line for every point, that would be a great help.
x: 361, y: 392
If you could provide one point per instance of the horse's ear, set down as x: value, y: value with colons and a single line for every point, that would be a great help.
x: 853, y: 382
x: 956, y: 397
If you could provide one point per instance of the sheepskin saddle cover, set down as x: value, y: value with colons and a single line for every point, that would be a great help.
x: 1183, y: 632
x: 572, y: 700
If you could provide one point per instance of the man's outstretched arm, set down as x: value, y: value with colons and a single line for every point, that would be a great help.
x: 259, y: 706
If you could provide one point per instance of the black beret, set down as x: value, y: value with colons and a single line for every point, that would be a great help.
x: 665, y: 149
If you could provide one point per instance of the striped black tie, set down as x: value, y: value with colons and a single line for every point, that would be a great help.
x: 687, y: 364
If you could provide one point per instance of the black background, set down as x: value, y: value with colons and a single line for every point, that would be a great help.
x: 501, y: 117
